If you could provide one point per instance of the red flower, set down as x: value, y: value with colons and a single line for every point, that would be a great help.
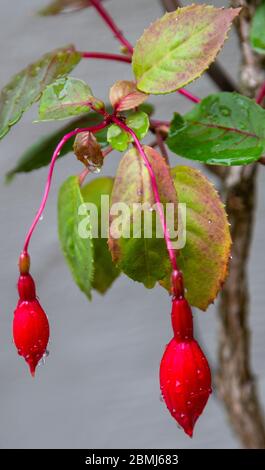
x: 185, y: 377
x: 30, y: 324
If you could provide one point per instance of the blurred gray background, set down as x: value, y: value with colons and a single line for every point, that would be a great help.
x: 99, y: 387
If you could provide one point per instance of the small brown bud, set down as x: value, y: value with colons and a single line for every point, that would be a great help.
x: 88, y: 150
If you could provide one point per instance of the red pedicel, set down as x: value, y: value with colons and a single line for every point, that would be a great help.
x: 185, y: 377
x: 30, y: 324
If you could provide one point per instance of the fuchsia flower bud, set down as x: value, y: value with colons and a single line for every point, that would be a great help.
x: 30, y: 323
x: 185, y: 377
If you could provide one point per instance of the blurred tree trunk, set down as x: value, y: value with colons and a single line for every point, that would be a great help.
x: 235, y: 381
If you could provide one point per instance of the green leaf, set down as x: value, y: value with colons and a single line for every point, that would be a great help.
x: 180, y: 46
x: 224, y: 129
x: 65, y: 98
x: 143, y: 259
x: 27, y: 86
x: 257, y: 31
x: 204, y: 259
x: 147, y: 108
x: 105, y: 271
x: 40, y: 153
x: 139, y: 123
x: 63, y: 6
x: 77, y: 251
x: 119, y: 139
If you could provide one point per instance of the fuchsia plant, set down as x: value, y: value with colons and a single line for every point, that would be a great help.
x: 222, y: 129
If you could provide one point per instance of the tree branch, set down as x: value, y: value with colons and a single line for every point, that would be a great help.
x: 235, y: 380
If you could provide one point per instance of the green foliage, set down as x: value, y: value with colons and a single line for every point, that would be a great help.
x: 180, y: 46
x: 27, y: 86
x: 65, y: 98
x: 142, y: 259
x: 78, y: 251
x: 224, y: 129
x: 139, y: 123
x: 257, y: 32
x: 205, y: 256
x: 39, y: 154
x: 105, y: 272
x: 119, y: 139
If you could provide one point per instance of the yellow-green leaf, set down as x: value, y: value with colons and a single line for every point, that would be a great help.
x: 180, y: 46
x: 204, y: 259
x: 142, y: 258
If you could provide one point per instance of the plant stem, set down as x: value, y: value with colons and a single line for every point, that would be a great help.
x: 106, y: 56
x: 158, y: 123
x: 176, y: 275
x: 189, y: 95
x: 50, y: 174
x: 111, y: 24
x: 261, y: 94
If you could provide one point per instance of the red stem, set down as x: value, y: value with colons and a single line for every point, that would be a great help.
x: 106, y: 56
x: 141, y: 151
x: 50, y: 173
x: 261, y: 94
x: 189, y: 95
x: 112, y: 25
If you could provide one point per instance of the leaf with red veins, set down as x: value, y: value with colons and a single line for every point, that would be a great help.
x: 124, y: 95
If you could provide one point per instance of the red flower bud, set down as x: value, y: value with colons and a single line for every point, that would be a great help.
x: 30, y: 324
x: 185, y: 377
x: 181, y: 318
